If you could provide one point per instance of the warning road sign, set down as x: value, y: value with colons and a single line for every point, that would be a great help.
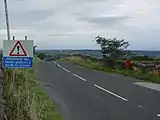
x: 18, y: 50
x: 17, y: 53
x: 11, y: 49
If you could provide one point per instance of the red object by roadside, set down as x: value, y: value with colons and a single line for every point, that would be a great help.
x: 128, y: 64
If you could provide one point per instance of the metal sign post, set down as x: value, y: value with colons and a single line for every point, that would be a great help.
x: 13, y: 37
x: 7, y: 19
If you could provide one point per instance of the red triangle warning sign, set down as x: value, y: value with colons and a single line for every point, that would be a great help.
x: 18, y: 50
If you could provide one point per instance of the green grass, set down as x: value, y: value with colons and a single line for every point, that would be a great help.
x: 101, y: 67
x: 25, y: 98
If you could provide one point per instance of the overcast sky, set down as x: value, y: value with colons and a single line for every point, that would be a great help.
x: 73, y: 24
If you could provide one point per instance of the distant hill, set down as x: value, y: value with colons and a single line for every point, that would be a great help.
x: 96, y: 53
x: 148, y: 53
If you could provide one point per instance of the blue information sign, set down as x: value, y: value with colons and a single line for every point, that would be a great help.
x: 17, y: 62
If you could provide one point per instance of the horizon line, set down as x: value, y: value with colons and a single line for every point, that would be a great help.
x: 90, y: 49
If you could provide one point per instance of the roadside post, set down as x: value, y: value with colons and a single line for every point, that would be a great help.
x: 13, y: 37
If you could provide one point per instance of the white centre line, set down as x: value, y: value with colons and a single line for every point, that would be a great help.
x: 79, y: 77
x: 158, y: 115
x: 140, y: 106
x: 55, y: 62
x: 65, y: 69
x: 59, y: 65
x: 111, y: 93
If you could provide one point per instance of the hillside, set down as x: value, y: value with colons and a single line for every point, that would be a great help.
x: 96, y: 53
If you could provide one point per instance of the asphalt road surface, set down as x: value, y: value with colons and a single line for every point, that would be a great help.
x: 83, y: 94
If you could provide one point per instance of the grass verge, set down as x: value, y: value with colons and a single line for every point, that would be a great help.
x: 24, y: 97
x: 100, y: 66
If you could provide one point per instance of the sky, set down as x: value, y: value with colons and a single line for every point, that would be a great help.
x: 73, y: 24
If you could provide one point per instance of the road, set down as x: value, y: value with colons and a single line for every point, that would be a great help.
x: 83, y: 94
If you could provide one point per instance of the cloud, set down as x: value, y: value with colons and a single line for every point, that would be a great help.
x: 29, y: 17
x: 107, y: 21
x: 74, y: 23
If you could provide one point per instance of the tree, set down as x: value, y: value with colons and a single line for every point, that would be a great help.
x: 112, y: 48
x: 41, y: 56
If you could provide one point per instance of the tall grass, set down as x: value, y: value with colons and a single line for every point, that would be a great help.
x: 25, y: 99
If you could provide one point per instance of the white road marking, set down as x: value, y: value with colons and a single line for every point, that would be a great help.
x: 59, y: 65
x: 65, y: 69
x: 158, y: 115
x: 152, y: 86
x: 111, y: 93
x: 140, y: 106
x: 79, y: 77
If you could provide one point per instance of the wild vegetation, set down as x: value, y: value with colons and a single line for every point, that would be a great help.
x: 112, y: 49
x: 25, y: 99
x: 42, y: 55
